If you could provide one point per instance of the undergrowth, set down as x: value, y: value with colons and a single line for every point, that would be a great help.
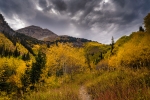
x: 121, y: 85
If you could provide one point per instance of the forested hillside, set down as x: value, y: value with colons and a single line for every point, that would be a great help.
x: 32, y: 69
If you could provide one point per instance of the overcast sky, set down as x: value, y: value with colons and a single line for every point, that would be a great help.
x: 96, y: 20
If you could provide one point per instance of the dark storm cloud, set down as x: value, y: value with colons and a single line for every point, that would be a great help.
x: 93, y: 19
x: 60, y: 5
x: 51, y: 22
x: 77, y: 5
x: 20, y: 7
x: 43, y: 3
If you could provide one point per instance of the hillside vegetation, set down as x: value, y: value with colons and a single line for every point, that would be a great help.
x: 36, y: 70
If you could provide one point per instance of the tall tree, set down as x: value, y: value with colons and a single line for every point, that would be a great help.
x: 112, y: 44
x: 37, y: 67
x: 28, y: 56
x: 16, y: 53
x: 25, y: 80
x: 147, y: 23
x: 141, y: 29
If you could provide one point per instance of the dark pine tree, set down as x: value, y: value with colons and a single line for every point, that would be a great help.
x: 147, y: 23
x: 16, y: 53
x: 101, y: 56
x: 141, y: 29
x: 1, y: 50
x: 48, y: 45
x: 37, y: 67
x: 6, y: 53
x: 112, y: 44
x: 25, y: 79
x: 28, y: 56
x: 24, y: 57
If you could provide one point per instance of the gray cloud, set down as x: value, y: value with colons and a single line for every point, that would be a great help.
x: 98, y: 20
x: 23, y: 8
x: 60, y: 5
x: 42, y: 3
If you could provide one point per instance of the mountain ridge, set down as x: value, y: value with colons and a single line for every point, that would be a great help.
x: 4, y: 27
x: 37, y: 32
x: 28, y: 38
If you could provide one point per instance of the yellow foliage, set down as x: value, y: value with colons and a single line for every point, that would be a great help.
x: 134, y: 53
x: 36, y: 49
x: 65, y: 57
x: 9, y: 45
x: 12, y: 64
x: 112, y: 62
x: 93, y: 44
x: 21, y: 48
x: 5, y: 41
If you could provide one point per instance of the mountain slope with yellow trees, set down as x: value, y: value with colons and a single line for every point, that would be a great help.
x: 127, y: 69
x: 134, y: 53
x: 134, y: 50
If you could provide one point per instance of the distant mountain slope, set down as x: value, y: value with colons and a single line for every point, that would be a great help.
x: 37, y: 32
x: 77, y: 42
x: 47, y: 35
x: 66, y: 38
x: 32, y: 35
x: 4, y: 27
x: 8, y: 45
x: 50, y: 37
x: 16, y: 37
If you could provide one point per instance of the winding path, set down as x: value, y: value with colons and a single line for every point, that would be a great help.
x: 83, y: 94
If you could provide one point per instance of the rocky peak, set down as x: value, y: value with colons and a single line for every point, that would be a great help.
x: 4, y: 27
x: 37, y: 32
x: 1, y: 19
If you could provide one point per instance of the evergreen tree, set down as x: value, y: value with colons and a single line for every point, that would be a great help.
x: 147, y: 23
x: 48, y: 45
x: 25, y: 79
x: 10, y: 53
x: 141, y: 29
x: 1, y: 50
x: 24, y: 57
x: 101, y: 56
x: 112, y: 44
x: 37, y: 67
x: 16, y: 53
x: 28, y: 56
x: 6, y: 52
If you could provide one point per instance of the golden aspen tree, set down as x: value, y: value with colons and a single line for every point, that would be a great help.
x: 64, y: 59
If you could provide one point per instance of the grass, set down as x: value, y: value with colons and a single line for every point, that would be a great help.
x: 65, y: 92
x: 121, y: 85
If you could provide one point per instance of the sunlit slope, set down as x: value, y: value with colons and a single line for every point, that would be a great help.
x: 135, y: 52
x: 95, y: 52
x: 4, y: 41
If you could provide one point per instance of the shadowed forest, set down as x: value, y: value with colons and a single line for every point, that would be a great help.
x: 37, y: 70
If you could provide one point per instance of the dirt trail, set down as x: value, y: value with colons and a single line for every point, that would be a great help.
x: 83, y: 94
